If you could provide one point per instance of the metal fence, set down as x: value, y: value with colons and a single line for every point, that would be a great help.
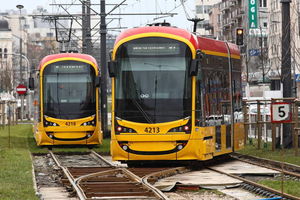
x: 258, y: 124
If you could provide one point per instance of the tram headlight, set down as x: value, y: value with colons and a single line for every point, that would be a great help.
x: 89, y: 123
x: 186, y: 128
x: 122, y: 129
x: 125, y: 147
x: 181, y: 144
x: 48, y: 123
x: 119, y: 128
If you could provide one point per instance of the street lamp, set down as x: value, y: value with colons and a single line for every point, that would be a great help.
x: 20, y: 7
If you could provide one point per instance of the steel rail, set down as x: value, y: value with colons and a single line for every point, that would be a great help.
x: 285, y: 195
x: 274, y: 162
x: 101, y: 158
x: 129, y: 174
x: 159, y: 174
x: 69, y: 176
x: 156, y: 191
x: 270, y: 162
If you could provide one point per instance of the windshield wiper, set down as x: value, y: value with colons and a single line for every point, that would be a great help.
x: 145, y: 115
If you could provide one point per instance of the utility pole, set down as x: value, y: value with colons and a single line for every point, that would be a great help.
x: 88, y: 30
x: 262, y: 55
x: 103, y: 69
x: 286, y: 66
x: 86, y: 27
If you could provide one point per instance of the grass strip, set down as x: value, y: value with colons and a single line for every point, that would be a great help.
x: 15, y: 164
x: 281, y: 155
x: 289, y: 186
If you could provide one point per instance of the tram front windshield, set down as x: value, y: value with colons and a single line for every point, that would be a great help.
x: 152, y: 81
x: 69, y: 90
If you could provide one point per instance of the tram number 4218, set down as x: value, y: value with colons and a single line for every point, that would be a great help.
x: 281, y: 112
x: 152, y: 130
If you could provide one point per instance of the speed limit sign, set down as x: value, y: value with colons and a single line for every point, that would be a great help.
x: 281, y: 112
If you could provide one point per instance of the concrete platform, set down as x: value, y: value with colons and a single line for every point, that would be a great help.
x: 239, y: 167
x: 55, y: 193
x: 204, y: 177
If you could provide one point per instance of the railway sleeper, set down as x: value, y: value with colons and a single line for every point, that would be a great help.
x: 110, y: 179
x: 115, y: 187
x: 106, y: 183
x: 123, y: 194
x: 117, y: 190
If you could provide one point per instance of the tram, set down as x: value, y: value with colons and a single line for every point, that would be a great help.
x: 172, y: 98
x: 66, y: 105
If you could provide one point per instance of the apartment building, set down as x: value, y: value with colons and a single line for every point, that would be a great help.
x: 274, y: 47
x: 203, y: 8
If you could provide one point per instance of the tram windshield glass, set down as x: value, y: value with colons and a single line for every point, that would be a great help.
x: 69, y: 90
x: 152, y: 80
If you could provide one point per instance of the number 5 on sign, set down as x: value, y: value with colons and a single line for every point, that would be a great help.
x: 281, y: 112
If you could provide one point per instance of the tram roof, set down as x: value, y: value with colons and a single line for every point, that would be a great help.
x: 208, y: 45
x: 60, y: 56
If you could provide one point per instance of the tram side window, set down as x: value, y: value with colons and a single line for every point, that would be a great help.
x: 199, y: 105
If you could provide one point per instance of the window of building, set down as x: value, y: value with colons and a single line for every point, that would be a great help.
x: 265, y: 24
x: 0, y: 52
x: 202, y: 24
x: 263, y: 3
x: 49, y: 34
x: 5, y: 52
x: 203, y: 9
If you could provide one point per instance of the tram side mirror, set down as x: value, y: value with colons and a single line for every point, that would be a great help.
x: 97, y: 81
x: 112, y: 68
x: 195, y: 64
x: 31, y: 83
x: 194, y: 67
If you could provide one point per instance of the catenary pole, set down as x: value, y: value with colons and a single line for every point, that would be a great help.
x: 286, y: 66
x: 103, y: 69
x: 84, y: 27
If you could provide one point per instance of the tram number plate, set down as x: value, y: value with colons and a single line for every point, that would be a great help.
x: 152, y: 130
x: 70, y: 123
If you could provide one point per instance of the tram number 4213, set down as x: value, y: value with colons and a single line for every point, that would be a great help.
x: 281, y: 112
x: 152, y: 130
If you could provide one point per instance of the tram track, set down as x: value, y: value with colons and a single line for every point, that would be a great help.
x: 252, y: 186
x: 110, y: 182
x: 102, y: 179
x: 285, y: 168
x: 256, y: 187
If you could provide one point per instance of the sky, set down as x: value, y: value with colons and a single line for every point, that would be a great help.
x: 133, y: 6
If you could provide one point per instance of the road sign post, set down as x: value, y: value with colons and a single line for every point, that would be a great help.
x: 21, y: 90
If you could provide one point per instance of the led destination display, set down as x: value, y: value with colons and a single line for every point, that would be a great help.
x: 153, y: 49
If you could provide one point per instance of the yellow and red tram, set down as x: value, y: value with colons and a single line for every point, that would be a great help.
x: 67, y: 108
x: 172, y: 98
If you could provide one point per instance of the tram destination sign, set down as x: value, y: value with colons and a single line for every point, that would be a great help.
x: 69, y: 68
x: 153, y: 49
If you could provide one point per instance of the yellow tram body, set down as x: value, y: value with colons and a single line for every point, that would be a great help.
x: 185, y: 138
x: 59, y: 130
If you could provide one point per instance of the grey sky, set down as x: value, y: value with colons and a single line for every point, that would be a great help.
x: 149, y: 6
